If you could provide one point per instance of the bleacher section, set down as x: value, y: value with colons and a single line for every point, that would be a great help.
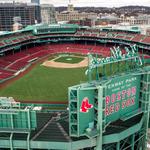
x: 20, y: 60
x: 138, y: 38
x: 146, y: 39
x: 4, y: 74
x: 14, y: 38
x: 80, y: 48
x: 13, y: 61
x: 3, y: 63
x: 102, y: 34
x: 147, y: 56
x: 129, y: 36
x: 135, y: 37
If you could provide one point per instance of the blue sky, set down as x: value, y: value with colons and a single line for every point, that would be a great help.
x: 108, y: 3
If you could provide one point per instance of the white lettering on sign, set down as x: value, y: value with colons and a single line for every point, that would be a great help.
x: 120, y: 100
x: 121, y: 83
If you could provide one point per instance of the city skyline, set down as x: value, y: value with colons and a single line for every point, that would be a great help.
x: 91, y: 3
x: 99, y: 3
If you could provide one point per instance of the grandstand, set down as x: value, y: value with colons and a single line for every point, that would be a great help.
x: 92, y: 120
x: 19, y: 49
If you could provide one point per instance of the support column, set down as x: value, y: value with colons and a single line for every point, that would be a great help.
x: 132, y: 141
x: 28, y: 141
x: 100, y: 119
x: 104, y: 70
x: 12, y: 121
x: 11, y: 142
x: 118, y: 146
x: 118, y: 66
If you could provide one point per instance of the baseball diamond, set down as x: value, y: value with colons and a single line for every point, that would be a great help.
x: 70, y: 87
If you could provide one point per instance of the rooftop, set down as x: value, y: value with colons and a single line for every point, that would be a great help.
x: 54, y: 127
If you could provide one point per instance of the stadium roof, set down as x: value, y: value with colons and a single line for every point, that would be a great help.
x: 51, y: 26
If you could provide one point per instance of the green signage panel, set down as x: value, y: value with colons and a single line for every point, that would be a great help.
x: 20, y: 120
x: 86, y: 110
x: 121, y: 96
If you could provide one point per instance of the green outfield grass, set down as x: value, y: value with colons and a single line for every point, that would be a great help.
x: 45, y: 84
x: 51, y: 84
x: 69, y: 59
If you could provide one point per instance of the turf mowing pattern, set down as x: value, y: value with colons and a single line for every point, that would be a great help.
x: 69, y: 59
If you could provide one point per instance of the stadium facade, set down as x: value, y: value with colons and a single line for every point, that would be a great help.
x: 105, y: 113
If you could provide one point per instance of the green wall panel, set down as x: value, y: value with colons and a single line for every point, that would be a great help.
x: 121, y: 96
x: 84, y: 118
x: 20, y: 120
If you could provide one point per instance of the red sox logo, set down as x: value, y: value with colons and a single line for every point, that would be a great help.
x: 85, y: 105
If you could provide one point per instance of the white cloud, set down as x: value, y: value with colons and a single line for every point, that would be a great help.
x: 108, y: 3
x: 105, y: 3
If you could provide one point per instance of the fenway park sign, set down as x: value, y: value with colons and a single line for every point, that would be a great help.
x: 122, y: 94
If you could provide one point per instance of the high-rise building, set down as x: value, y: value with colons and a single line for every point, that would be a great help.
x: 28, y: 13
x: 35, y: 1
x: 48, y: 14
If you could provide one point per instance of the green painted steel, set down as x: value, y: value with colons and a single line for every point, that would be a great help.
x: 119, y: 98
x: 18, y: 120
x: 58, y: 28
x: 13, y: 117
x: 74, y: 144
x: 18, y: 144
x: 47, y: 107
x: 87, y: 118
x: 122, y: 96
x: 130, y: 57
x: 147, y: 61
x: 145, y: 100
x: 116, y: 137
x: 100, y: 116
x: 81, y: 122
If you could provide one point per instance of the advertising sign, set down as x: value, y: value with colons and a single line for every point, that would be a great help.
x: 122, y: 96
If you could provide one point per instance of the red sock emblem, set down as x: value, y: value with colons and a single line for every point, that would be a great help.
x: 85, y: 105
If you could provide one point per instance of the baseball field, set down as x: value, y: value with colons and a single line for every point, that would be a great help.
x: 45, y: 83
x: 48, y: 84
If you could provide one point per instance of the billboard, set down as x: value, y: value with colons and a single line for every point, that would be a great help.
x: 121, y: 96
